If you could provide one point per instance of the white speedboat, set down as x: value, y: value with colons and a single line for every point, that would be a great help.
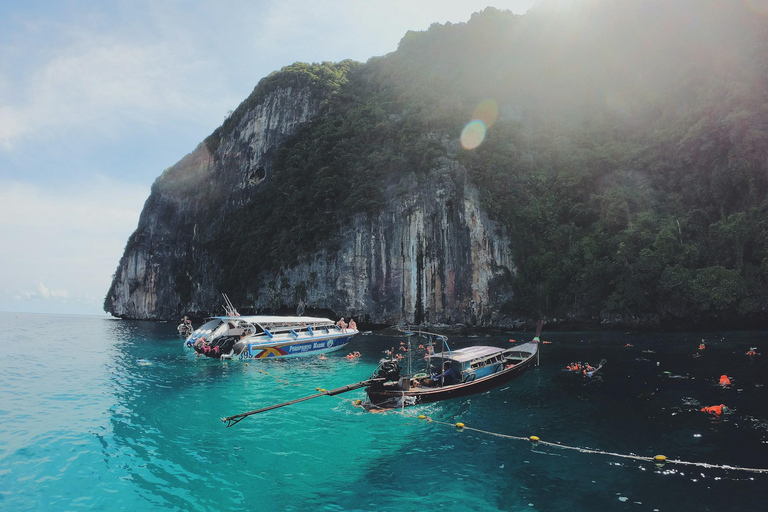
x: 258, y: 337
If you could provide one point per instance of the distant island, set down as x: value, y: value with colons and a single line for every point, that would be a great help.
x: 585, y: 164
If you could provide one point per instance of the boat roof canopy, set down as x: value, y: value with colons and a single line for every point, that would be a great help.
x: 463, y: 355
x: 268, y: 320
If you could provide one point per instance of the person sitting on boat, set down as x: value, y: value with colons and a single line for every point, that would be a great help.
x: 341, y: 324
x: 352, y: 324
x: 447, y: 378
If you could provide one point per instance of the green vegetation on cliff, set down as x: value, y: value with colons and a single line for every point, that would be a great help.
x: 627, y: 158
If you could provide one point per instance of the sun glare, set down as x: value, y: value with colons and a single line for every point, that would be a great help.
x: 487, y: 112
x: 483, y: 118
x: 758, y: 6
x: 473, y: 134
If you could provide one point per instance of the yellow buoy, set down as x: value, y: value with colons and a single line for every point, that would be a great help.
x: 322, y: 390
x: 459, y: 425
x: 358, y: 401
x: 246, y: 364
x: 660, y: 458
x: 535, y: 439
x: 261, y: 371
x: 317, y: 389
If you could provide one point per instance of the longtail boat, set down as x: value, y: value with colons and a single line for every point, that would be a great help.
x: 474, y: 370
x: 463, y: 372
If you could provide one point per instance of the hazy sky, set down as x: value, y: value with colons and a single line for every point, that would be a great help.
x: 98, y: 97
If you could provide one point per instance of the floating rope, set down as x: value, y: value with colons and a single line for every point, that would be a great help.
x: 658, y: 459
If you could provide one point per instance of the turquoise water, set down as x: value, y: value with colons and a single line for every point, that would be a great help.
x: 85, y: 424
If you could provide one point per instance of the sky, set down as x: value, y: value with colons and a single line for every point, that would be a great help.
x: 98, y: 97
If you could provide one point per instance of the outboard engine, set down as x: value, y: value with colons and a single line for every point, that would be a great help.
x: 389, y: 370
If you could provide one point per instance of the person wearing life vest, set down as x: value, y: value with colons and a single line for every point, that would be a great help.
x: 715, y: 410
x: 724, y: 380
x: 701, y: 345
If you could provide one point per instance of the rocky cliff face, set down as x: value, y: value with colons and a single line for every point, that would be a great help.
x: 165, y: 269
x: 429, y: 256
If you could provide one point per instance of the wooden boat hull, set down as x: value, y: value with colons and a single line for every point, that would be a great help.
x: 381, y: 397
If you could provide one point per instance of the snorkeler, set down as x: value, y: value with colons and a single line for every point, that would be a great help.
x: 715, y: 410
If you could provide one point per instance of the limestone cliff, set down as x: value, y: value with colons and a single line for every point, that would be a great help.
x: 430, y: 255
x: 166, y: 269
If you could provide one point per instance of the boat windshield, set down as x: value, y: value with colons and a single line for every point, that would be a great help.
x: 209, y: 326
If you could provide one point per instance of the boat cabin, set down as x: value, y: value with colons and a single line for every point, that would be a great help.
x: 263, y: 325
x: 471, y: 362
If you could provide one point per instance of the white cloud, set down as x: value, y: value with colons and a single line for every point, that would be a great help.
x: 62, y: 245
x: 103, y: 84
x: 42, y: 292
x: 175, y: 62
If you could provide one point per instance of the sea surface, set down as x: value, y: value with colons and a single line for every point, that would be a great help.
x: 105, y: 414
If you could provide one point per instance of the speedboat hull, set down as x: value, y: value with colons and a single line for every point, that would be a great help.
x: 260, y: 337
x: 294, y: 348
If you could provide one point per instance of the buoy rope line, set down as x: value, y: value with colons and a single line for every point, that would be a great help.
x: 657, y: 459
